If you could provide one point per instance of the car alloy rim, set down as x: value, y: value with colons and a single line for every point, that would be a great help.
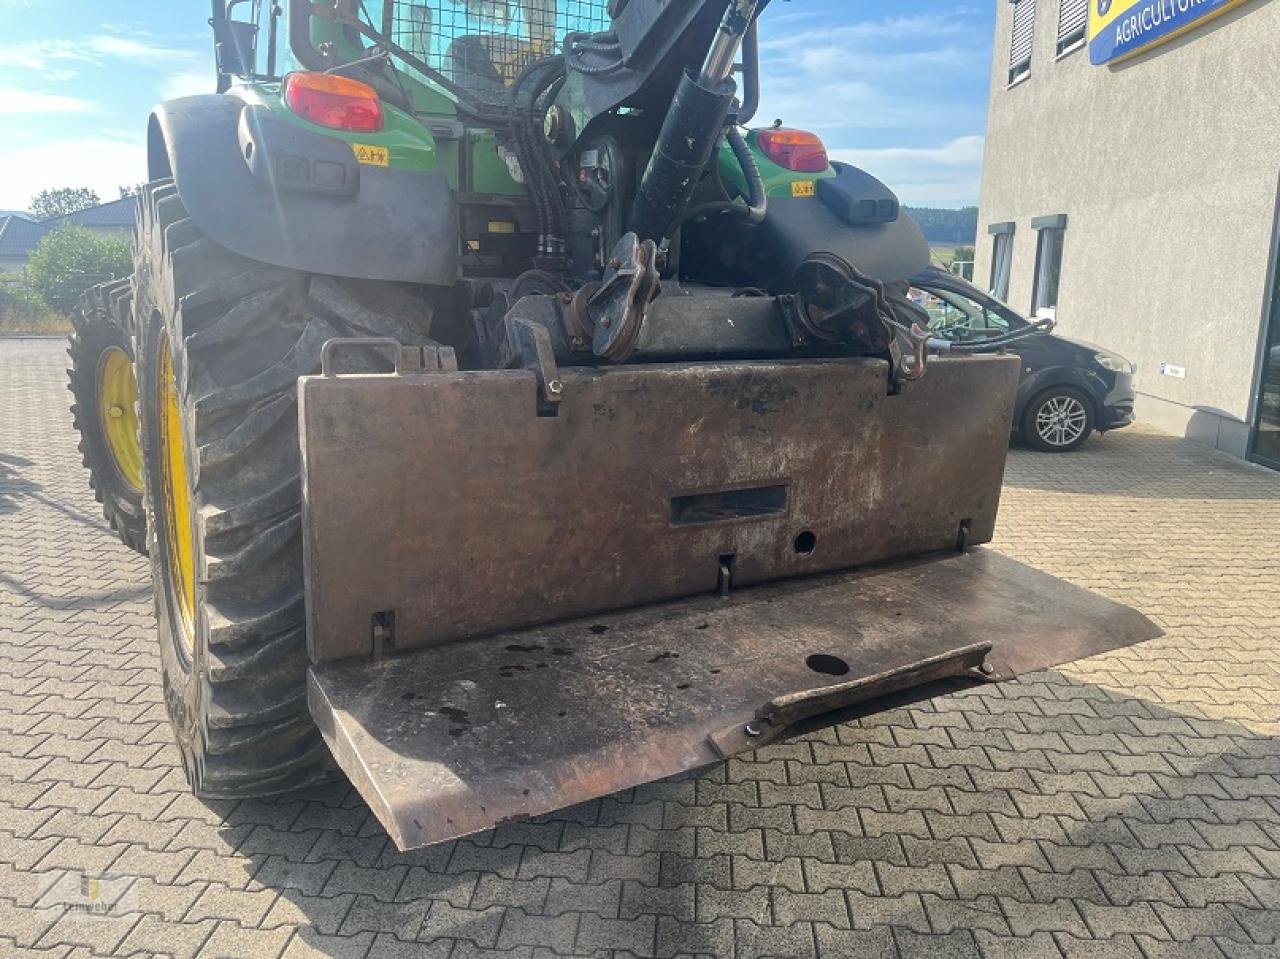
x: 117, y: 405
x: 1061, y: 420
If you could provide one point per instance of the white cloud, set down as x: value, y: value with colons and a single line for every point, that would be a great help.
x: 15, y: 101
x: 187, y: 83
x: 101, y: 163
x: 124, y: 48
x: 946, y: 175
x: 903, y: 84
x: 61, y: 58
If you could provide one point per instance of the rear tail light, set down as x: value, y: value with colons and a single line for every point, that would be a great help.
x: 339, y: 103
x: 795, y: 150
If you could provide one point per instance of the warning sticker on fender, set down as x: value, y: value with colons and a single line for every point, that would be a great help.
x: 804, y: 188
x: 372, y: 155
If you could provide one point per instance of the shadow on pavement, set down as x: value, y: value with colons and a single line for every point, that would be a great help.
x: 1124, y: 819
x: 77, y: 600
x: 13, y: 486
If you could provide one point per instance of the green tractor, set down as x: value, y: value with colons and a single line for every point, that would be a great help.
x: 519, y: 425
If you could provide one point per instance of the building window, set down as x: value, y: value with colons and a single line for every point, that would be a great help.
x: 1053, y: 232
x: 1001, y: 259
x: 1073, y: 23
x: 1024, y: 35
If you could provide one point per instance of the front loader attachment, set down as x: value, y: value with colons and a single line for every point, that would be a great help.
x: 511, y: 611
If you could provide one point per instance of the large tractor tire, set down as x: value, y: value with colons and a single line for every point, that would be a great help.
x: 221, y: 343
x: 104, y: 407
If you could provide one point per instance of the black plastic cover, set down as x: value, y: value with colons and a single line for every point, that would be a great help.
x: 286, y: 157
x: 857, y: 197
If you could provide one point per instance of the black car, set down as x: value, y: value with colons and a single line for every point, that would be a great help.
x: 1068, y: 389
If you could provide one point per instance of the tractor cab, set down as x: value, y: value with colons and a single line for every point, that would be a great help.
x: 478, y: 46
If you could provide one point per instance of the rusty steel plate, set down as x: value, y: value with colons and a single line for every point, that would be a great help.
x: 447, y: 741
x: 441, y: 506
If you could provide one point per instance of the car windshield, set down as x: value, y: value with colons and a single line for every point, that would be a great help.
x: 953, y: 315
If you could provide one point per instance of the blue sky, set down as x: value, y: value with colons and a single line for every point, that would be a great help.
x: 898, y: 87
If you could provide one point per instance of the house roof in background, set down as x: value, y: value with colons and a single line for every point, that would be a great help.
x: 20, y: 236
x: 117, y: 213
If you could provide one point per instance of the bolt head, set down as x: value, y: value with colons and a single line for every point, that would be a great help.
x: 555, y: 387
x: 115, y: 412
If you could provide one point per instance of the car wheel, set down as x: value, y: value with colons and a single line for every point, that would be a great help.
x: 1059, y: 420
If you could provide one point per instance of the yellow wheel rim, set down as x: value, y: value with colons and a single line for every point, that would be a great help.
x: 117, y: 406
x: 176, y: 499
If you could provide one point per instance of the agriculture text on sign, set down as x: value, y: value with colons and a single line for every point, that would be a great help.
x: 1121, y: 28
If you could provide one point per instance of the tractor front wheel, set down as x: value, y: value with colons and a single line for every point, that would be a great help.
x: 221, y: 343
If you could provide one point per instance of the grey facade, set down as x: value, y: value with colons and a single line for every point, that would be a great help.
x: 1166, y: 168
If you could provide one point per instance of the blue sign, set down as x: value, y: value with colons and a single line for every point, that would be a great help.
x: 1121, y: 28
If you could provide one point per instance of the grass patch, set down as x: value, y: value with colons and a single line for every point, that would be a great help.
x: 40, y: 321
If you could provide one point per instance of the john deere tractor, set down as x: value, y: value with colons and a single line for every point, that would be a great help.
x: 518, y: 424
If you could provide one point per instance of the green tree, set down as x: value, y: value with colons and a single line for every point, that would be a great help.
x: 946, y: 226
x: 71, y: 259
x: 48, y: 204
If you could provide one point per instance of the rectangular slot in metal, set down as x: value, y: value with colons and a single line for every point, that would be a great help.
x: 533, y: 519
x: 728, y: 504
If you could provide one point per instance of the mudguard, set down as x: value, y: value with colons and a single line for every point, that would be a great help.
x: 281, y: 194
x: 854, y: 216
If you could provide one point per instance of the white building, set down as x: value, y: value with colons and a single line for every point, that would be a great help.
x: 1131, y: 186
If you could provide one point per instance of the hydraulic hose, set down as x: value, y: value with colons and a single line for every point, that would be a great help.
x: 538, y: 167
x: 606, y: 46
x: 946, y: 346
x: 993, y: 342
x: 757, y: 199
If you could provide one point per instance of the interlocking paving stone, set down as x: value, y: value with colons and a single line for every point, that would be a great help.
x: 1126, y: 806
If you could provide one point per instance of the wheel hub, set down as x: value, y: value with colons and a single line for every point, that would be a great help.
x: 1061, y: 420
x: 176, y: 500
x: 117, y: 405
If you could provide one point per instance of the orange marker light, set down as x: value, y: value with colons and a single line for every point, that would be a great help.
x: 339, y: 103
x: 795, y: 150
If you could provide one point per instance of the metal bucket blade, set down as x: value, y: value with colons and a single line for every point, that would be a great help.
x: 452, y: 740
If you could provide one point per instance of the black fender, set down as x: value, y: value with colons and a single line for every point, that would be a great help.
x: 275, y: 192
x: 854, y: 216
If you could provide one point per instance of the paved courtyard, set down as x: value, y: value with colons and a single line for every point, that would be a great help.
x: 1127, y: 806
